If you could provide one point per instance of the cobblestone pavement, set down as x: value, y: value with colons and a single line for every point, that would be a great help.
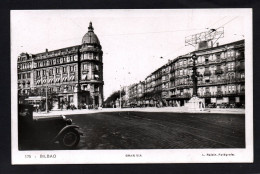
x: 160, y: 130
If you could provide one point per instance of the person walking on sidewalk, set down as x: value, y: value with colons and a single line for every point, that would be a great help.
x: 62, y: 103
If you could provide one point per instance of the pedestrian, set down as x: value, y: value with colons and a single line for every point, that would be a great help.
x: 62, y: 103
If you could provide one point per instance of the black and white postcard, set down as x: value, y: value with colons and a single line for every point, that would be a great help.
x: 132, y: 86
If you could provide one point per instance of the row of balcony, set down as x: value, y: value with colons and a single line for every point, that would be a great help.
x: 210, y: 83
x: 209, y: 94
x: 189, y: 83
x: 208, y: 73
x: 222, y: 94
x: 57, y: 53
x: 223, y: 81
x: 90, y: 49
x: 173, y: 68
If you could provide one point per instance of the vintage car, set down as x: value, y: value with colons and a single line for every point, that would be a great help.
x: 45, y: 131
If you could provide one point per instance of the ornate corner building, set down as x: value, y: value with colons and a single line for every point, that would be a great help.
x: 73, y: 74
x: 220, y: 78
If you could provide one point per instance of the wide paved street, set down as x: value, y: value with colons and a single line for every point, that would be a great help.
x: 160, y: 130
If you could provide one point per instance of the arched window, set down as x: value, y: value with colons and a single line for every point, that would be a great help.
x: 231, y: 76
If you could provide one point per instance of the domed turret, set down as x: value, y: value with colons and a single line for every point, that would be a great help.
x: 90, y: 37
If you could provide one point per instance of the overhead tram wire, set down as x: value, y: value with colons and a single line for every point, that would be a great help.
x: 178, y: 49
x: 227, y: 22
x: 122, y: 34
x: 217, y: 22
x: 126, y: 34
x: 153, y: 32
x: 206, y: 28
x: 156, y: 32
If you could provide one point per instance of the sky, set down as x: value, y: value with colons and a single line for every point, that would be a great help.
x: 135, y: 42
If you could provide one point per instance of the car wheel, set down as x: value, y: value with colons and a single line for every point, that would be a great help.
x: 69, y: 139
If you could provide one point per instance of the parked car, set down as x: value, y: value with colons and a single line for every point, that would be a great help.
x: 45, y: 131
x: 224, y: 105
x: 212, y: 105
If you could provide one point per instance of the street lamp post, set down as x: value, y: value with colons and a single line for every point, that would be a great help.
x: 194, y: 75
x: 195, y: 103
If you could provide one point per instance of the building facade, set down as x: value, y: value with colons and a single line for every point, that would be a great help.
x: 72, y: 75
x: 25, y: 77
x: 220, y: 77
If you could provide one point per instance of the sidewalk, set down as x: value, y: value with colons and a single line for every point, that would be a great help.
x: 148, y: 109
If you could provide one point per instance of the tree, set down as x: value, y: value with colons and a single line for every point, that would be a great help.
x: 113, y: 97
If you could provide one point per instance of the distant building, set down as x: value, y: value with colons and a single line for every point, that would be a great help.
x: 72, y: 75
x: 25, y: 75
x: 221, y: 78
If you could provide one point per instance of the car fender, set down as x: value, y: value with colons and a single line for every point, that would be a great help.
x: 64, y: 129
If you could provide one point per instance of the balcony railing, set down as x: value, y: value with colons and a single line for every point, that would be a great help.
x: 181, y: 86
x: 221, y: 94
x: 207, y: 73
x: 209, y: 94
x: 223, y: 81
x: 219, y: 71
x: 231, y: 58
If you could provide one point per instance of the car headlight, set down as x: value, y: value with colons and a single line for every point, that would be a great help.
x: 63, y: 117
